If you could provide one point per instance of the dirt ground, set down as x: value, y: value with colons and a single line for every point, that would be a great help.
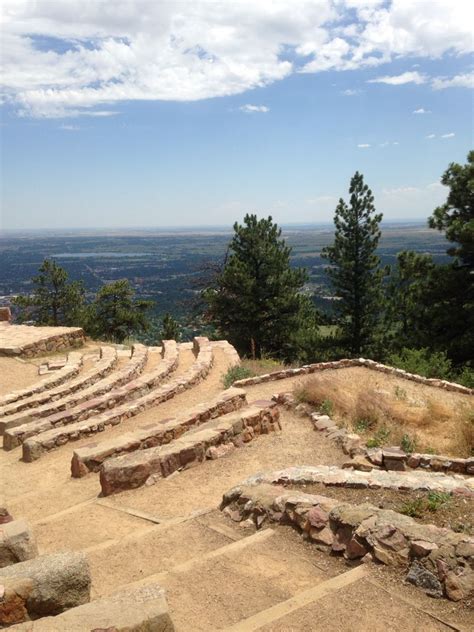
x: 16, y: 374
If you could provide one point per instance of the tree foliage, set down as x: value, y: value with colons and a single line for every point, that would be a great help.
x: 256, y: 302
x: 54, y: 301
x: 456, y: 215
x: 355, y: 268
x: 115, y: 314
x: 170, y: 328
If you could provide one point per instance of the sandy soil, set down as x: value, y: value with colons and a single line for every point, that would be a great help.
x: 16, y: 374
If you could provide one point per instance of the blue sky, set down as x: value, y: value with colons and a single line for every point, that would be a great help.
x: 188, y: 119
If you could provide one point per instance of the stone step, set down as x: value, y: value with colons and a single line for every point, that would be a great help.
x: 131, y: 402
x: 69, y: 371
x: 104, y: 365
x: 138, y: 610
x: 232, y: 430
x: 90, y: 458
x: 69, y: 404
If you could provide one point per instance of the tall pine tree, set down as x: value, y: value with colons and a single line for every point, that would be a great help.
x: 355, y: 268
x: 256, y: 302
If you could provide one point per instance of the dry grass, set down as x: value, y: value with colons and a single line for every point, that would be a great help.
x: 388, y: 412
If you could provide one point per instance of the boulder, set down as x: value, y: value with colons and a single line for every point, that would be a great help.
x: 47, y: 585
x: 423, y: 578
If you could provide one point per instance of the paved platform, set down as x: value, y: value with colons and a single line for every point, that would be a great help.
x: 28, y: 341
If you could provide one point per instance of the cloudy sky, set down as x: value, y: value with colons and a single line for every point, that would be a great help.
x: 149, y: 113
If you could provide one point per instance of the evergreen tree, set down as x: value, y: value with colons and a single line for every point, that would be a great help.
x: 115, y: 314
x: 55, y: 301
x: 456, y: 215
x: 355, y: 268
x: 256, y: 301
x: 170, y: 329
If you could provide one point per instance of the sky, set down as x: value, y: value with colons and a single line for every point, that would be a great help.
x: 129, y: 113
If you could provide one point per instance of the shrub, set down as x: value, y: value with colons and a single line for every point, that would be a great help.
x: 408, y: 444
x: 380, y: 438
x: 413, y: 508
x: 235, y: 373
x: 326, y: 407
x: 465, y: 377
x: 423, y: 362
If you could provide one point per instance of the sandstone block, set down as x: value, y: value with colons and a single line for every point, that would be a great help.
x: 17, y: 543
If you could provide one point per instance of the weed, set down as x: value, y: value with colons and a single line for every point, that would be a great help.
x: 413, y: 508
x: 235, y: 373
x: 437, y: 499
x: 408, y: 444
x: 326, y: 407
x: 380, y: 438
x: 400, y: 393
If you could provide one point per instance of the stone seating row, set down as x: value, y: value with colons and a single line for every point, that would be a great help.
x: 103, y: 366
x: 133, y: 470
x: 70, y: 370
x: 90, y: 458
x: 80, y: 405
x: 149, y: 395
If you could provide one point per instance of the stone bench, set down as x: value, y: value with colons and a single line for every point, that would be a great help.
x: 104, y: 365
x: 90, y: 458
x: 69, y: 371
x: 44, y: 586
x: 142, y: 609
x: 17, y: 543
x: 145, y: 466
x: 46, y: 440
x: 16, y: 428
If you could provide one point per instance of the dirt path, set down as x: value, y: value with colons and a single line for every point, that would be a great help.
x: 16, y: 374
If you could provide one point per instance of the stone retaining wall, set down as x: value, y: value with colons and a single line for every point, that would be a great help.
x: 104, y: 365
x: 438, y: 560
x: 210, y: 440
x: 90, y: 458
x: 29, y: 342
x: 69, y: 371
x: 47, y: 440
x: 343, y: 364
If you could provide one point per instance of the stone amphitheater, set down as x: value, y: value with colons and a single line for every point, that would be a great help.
x: 137, y: 494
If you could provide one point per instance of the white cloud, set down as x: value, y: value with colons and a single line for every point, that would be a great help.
x: 401, y: 191
x: 421, y: 111
x: 431, y: 136
x: 398, y: 80
x: 73, y: 58
x: 251, y: 109
x: 350, y: 92
x: 450, y: 135
x: 70, y: 128
x: 363, y: 145
x: 459, y: 81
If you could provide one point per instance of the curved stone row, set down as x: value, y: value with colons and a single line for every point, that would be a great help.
x: 229, y: 351
x: 331, y: 475
x: 79, y: 405
x: 69, y: 371
x: 209, y: 440
x: 343, y: 364
x: 103, y: 366
x: 90, y: 458
x: 438, y: 560
x: 148, y: 394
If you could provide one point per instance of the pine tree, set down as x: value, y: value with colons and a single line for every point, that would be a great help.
x: 115, y: 314
x: 256, y: 300
x: 355, y: 268
x: 54, y: 301
x: 170, y: 329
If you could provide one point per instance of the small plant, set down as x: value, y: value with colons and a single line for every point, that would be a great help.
x: 413, y: 508
x: 408, y: 444
x: 235, y: 373
x: 326, y: 407
x: 361, y: 425
x: 430, y: 450
x: 436, y: 500
x: 380, y: 438
x: 400, y: 393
